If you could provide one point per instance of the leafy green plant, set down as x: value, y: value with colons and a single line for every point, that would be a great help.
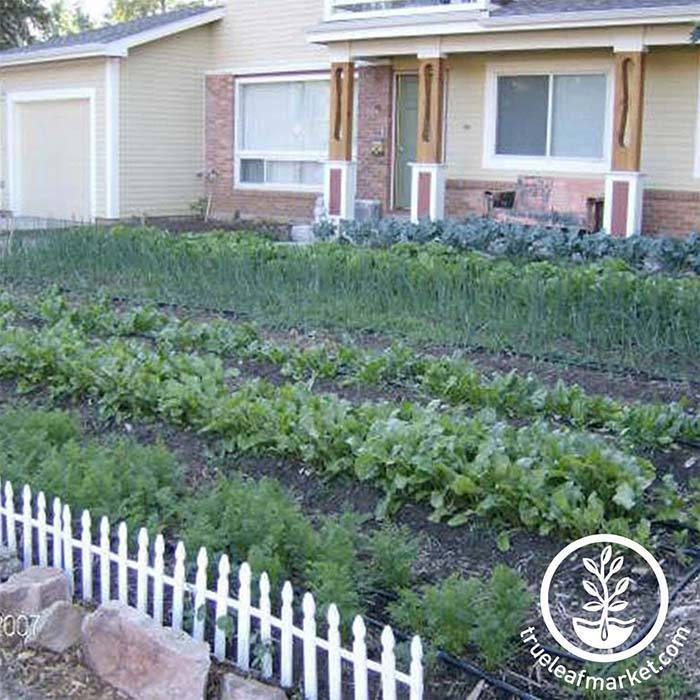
x: 393, y: 551
x: 460, y: 613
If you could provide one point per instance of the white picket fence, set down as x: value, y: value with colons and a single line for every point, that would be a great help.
x: 36, y: 531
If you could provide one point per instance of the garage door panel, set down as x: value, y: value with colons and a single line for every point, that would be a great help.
x: 53, y: 159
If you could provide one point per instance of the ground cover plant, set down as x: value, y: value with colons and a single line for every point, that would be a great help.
x: 524, y: 242
x: 464, y: 466
x: 603, y: 312
x: 453, y: 379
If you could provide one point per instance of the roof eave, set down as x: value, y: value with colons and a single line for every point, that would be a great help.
x: 686, y: 14
x: 118, y: 48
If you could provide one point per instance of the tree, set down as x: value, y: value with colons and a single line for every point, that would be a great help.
x: 66, y: 20
x: 21, y: 21
x: 124, y: 10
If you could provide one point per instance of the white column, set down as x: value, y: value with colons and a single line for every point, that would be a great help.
x: 624, y: 201
x: 339, y: 189
x: 428, y: 191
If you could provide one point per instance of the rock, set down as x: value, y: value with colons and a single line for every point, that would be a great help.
x: 33, y: 590
x: 302, y: 234
x: 132, y: 652
x: 9, y: 564
x: 234, y: 687
x: 58, y: 627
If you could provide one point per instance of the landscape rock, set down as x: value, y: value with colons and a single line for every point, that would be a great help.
x: 136, y: 655
x: 58, y: 627
x: 235, y: 687
x: 9, y: 564
x: 33, y: 590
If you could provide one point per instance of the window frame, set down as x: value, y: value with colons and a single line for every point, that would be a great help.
x: 546, y: 163
x: 241, y: 154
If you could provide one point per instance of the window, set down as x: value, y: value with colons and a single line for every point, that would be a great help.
x: 282, y: 133
x: 551, y: 120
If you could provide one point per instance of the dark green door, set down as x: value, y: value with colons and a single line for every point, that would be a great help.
x: 406, y: 137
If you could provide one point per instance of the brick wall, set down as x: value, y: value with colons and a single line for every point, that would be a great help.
x: 374, y: 127
x: 669, y: 212
x: 538, y: 199
x: 227, y: 201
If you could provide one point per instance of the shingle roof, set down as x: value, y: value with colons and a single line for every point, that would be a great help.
x: 506, y: 8
x: 110, y: 33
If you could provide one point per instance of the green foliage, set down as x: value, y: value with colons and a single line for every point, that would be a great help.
x: 460, y: 613
x: 120, y: 479
x: 602, y: 312
x: 394, y: 551
x: 252, y: 521
x: 526, y: 242
x: 544, y: 479
x: 125, y: 10
x: 65, y: 19
x: 21, y: 21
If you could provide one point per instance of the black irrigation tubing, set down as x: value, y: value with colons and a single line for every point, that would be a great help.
x: 545, y: 357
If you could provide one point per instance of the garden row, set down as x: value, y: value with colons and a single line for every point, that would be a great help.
x: 595, y: 312
x: 454, y: 379
x: 652, y: 254
x: 546, y: 479
x: 258, y: 522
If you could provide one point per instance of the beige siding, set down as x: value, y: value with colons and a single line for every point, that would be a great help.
x: 262, y: 35
x: 670, y: 119
x: 78, y: 74
x: 162, y: 124
x: 466, y: 106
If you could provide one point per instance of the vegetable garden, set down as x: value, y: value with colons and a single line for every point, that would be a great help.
x: 382, y: 425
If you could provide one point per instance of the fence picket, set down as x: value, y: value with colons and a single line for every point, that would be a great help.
x: 221, y: 617
x: 266, y: 625
x: 57, y: 534
x: 86, y: 554
x: 287, y: 637
x: 122, y: 572
x: 388, y: 665
x: 35, y: 548
x: 243, y: 631
x: 416, y: 669
x: 27, y: 526
x: 142, y: 572
x: 68, y: 544
x: 359, y: 651
x: 178, y: 586
x: 158, y: 568
x: 200, y: 595
x: 105, y: 565
x: 334, y: 661
x: 10, y: 514
x: 41, y: 529
x: 309, y: 629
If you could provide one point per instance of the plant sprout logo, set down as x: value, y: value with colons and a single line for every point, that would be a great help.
x: 609, y: 630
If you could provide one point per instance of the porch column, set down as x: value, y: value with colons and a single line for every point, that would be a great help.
x: 624, y: 186
x: 428, y: 172
x: 340, y: 175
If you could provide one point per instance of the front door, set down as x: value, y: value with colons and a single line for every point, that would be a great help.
x: 406, y: 138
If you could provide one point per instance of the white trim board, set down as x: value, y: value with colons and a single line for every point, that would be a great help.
x: 13, y: 166
x: 112, y: 150
x: 545, y: 164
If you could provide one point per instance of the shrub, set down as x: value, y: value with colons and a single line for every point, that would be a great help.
x: 393, y: 551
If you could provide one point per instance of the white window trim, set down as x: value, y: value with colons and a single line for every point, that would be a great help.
x: 241, y: 154
x: 554, y: 164
x: 13, y: 165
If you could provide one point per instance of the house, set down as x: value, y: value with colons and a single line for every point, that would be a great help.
x: 583, y: 112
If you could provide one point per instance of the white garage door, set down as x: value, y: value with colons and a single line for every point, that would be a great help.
x: 52, y: 159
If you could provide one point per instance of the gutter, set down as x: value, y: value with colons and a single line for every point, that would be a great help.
x: 683, y: 14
